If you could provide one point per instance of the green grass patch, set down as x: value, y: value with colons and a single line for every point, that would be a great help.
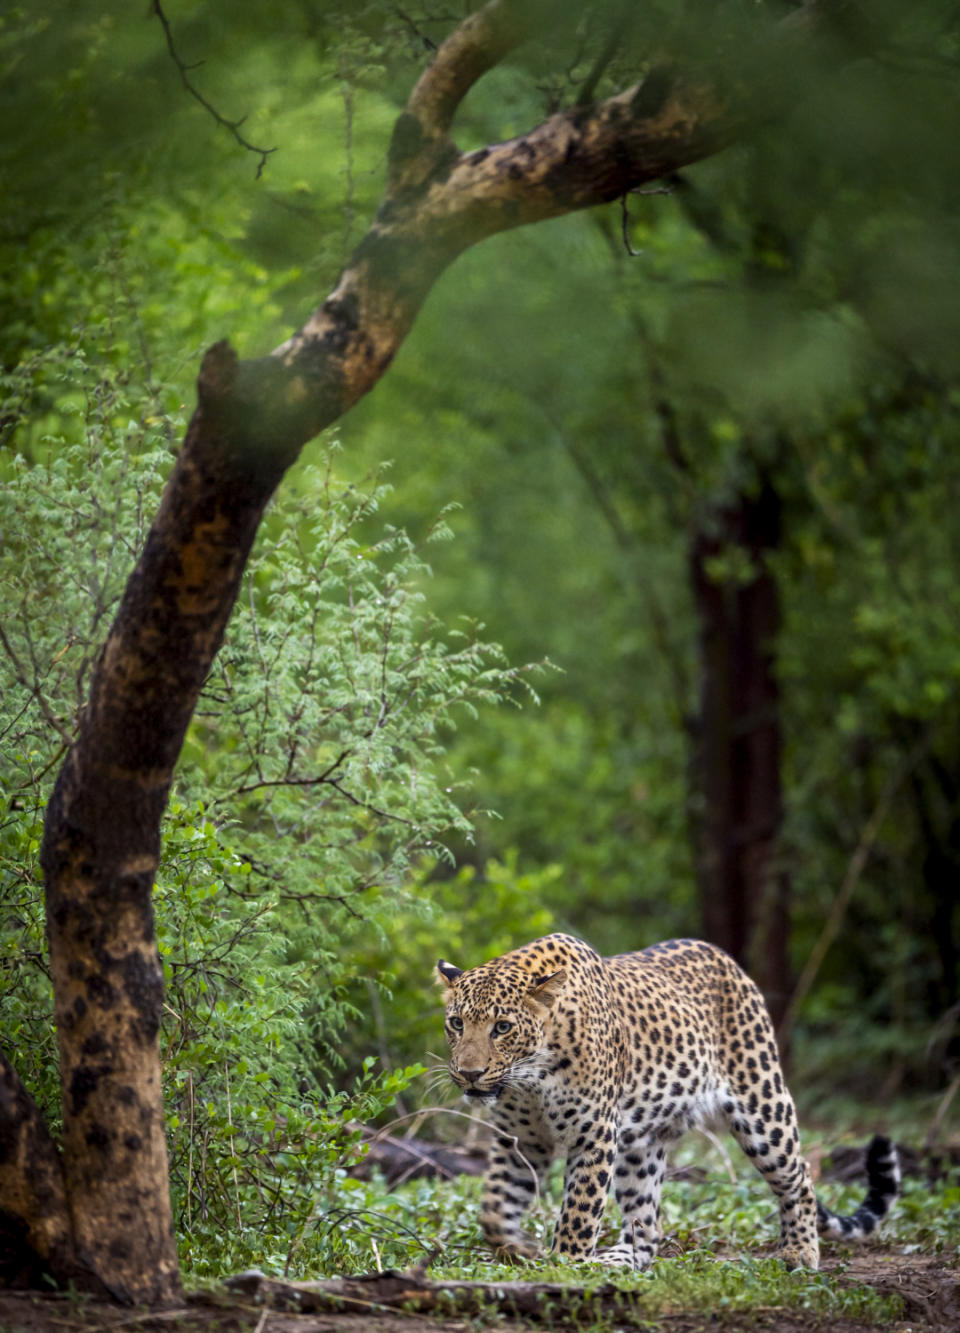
x: 700, y: 1282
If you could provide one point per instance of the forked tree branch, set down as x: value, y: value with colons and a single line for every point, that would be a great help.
x: 440, y: 201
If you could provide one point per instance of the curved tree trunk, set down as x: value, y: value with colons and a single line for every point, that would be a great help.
x: 99, y: 1212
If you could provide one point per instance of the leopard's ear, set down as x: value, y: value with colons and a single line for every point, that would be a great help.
x: 546, y: 989
x: 447, y: 973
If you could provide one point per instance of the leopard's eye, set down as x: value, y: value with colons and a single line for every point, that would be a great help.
x: 456, y: 1023
x: 501, y: 1026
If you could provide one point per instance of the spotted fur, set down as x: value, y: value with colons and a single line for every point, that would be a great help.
x: 604, y: 1061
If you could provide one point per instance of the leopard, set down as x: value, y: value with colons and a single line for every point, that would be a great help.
x: 604, y: 1062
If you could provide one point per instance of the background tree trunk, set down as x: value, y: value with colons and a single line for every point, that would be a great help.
x: 744, y: 892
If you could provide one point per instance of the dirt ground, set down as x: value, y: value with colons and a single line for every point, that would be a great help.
x: 929, y: 1289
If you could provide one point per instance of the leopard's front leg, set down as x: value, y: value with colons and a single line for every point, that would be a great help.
x: 514, y: 1177
x: 585, y: 1189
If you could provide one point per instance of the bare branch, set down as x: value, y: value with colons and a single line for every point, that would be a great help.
x: 183, y: 69
x: 625, y: 215
x: 625, y: 229
x: 614, y: 38
x: 855, y: 868
x: 34, y: 687
x: 289, y: 780
x: 421, y: 36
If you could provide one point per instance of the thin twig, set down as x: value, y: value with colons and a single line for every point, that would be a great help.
x: 933, y: 1133
x: 625, y: 228
x: 37, y: 777
x: 233, y: 1151
x: 190, y: 1154
x: 288, y: 781
x: 34, y: 688
x: 183, y: 69
x: 614, y: 39
x: 142, y: 1318
x: 428, y: 42
x: 855, y: 868
x: 475, y: 1119
x: 625, y: 215
x: 708, y: 1134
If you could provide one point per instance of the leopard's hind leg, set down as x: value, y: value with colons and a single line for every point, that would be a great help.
x: 767, y: 1132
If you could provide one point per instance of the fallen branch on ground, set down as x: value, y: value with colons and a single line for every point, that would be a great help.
x: 410, y: 1159
x: 414, y: 1291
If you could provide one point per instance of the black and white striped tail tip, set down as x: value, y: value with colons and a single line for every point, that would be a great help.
x: 883, y: 1182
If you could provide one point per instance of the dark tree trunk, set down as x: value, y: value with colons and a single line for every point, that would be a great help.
x: 737, y: 798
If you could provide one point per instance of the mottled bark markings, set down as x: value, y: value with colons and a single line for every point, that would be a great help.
x: 34, y: 1227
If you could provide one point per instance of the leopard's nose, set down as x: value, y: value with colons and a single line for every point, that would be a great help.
x: 471, y: 1075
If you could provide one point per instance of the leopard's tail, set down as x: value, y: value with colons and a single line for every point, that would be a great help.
x: 883, y: 1181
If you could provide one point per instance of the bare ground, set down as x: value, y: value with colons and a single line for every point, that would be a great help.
x: 928, y: 1287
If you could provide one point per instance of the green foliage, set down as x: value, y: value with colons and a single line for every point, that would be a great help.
x: 928, y: 1217
x: 466, y: 917
x: 603, y: 802
x: 26, y: 1000
x: 70, y: 528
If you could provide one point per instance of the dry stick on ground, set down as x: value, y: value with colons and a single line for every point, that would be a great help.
x: 406, y: 1158
x: 413, y: 1291
x: 99, y: 1211
x: 462, y: 1115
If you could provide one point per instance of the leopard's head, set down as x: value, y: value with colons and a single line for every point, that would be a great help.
x: 495, y: 1023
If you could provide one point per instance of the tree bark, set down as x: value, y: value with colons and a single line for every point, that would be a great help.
x: 744, y: 892
x: 34, y: 1225
x: 100, y: 1213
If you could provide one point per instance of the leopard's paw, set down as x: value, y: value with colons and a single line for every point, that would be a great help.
x: 624, y: 1255
x: 799, y: 1255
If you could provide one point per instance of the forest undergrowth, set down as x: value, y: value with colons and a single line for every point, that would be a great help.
x: 715, y: 1270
